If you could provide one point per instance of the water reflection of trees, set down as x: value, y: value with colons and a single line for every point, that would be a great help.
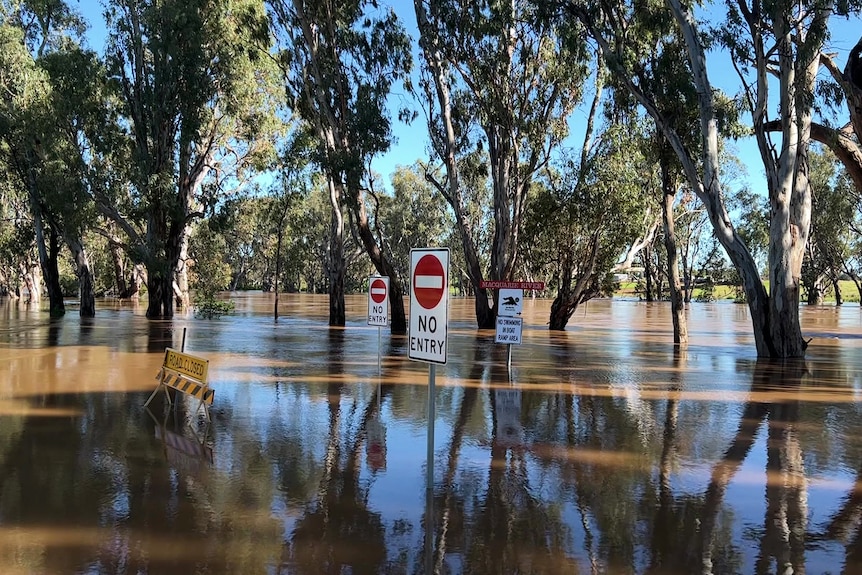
x: 337, y: 530
x: 593, y: 477
x: 501, y: 525
x: 621, y: 484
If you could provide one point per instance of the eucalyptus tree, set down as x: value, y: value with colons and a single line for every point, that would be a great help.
x: 785, y: 39
x: 413, y: 215
x: 582, y: 219
x: 195, y: 95
x: 501, y: 76
x: 341, y: 61
x: 24, y: 105
x: 780, y: 38
x: 831, y: 227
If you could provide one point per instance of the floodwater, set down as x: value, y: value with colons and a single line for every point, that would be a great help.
x: 601, y: 451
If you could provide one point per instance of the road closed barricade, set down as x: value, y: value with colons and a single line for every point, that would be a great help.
x: 187, y: 374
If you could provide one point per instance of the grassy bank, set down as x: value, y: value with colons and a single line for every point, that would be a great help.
x: 849, y: 293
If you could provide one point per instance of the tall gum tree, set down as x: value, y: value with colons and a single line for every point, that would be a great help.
x: 30, y: 140
x: 503, y: 76
x: 797, y: 30
x: 341, y: 60
x: 784, y: 40
x: 188, y: 90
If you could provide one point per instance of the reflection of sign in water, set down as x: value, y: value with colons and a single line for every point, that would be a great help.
x: 375, y: 444
x: 507, y: 405
x: 183, y: 453
x: 509, y: 330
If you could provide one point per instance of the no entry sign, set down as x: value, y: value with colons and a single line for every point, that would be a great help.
x: 378, y: 300
x: 379, y: 290
x: 429, y: 280
x: 429, y: 298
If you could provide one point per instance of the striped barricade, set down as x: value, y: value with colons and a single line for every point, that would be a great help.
x: 187, y: 374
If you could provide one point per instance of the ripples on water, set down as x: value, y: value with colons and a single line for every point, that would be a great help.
x: 603, y: 451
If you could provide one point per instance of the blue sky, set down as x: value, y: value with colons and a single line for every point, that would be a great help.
x: 412, y: 140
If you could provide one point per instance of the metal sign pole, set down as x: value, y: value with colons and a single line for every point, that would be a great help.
x: 429, y: 473
x: 378, y: 351
x: 509, y: 359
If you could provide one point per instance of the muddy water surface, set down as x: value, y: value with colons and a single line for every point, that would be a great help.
x: 602, y: 451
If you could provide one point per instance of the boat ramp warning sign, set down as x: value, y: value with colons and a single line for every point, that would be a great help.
x: 509, y: 330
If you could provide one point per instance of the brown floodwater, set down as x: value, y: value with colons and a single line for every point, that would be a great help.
x: 602, y: 450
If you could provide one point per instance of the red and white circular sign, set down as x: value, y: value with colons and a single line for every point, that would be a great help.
x: 429, y: 281
x: 378, y: 291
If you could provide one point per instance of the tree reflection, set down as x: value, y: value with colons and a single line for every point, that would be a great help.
x: 668, y: 521
x: 337, y: 530
x: 514, y: 529
x: 783, y: 537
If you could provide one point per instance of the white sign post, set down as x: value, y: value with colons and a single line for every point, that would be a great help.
x: 429, y: 325
x: 378, y: 307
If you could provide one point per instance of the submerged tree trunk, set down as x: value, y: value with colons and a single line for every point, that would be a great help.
x: 122, y: 289
x: 48, y: 255
x: 336, y: 265
x: 569, y: 298
x: 165, y: 236
x: 680, y: 327
x: 84, y: 271
x: 181, y: 276
x: 280, y: 238
x: 51, y: 272
x: 648, y: 273
x: 32, y: 282
x: 383, y: 266
x: 836, y: 287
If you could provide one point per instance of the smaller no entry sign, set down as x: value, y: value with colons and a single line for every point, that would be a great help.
x: 378, y: 301
x: 429, y: 303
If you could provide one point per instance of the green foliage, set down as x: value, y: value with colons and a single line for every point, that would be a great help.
x: 587, y: 211
x: 413, y: 216
x: 833, y: 219
x: 706, y: 291
x: 210, y: 273
x: 340, y: 61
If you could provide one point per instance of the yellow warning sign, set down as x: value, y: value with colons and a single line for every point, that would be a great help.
x: 185, y: 373
x: 185, y: 364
